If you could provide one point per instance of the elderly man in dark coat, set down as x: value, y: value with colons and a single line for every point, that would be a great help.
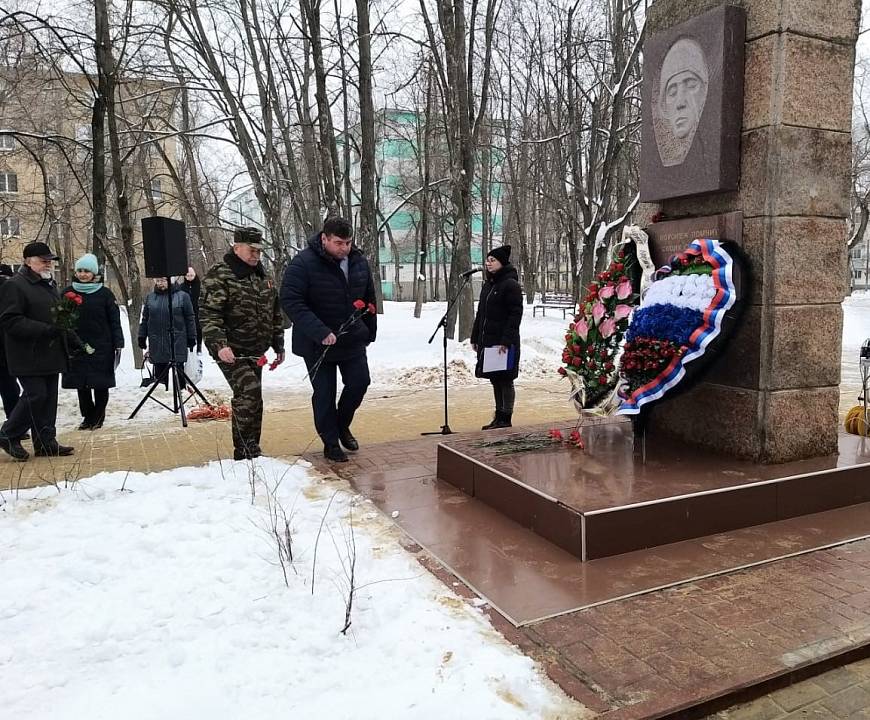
x: 36, y: 354
x: 318, y: 293
x: 9, y: 390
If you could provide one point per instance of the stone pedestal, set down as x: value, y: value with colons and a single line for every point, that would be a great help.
x: 773, y: 396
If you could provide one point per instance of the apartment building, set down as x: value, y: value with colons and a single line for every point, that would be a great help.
x: 46, y: 162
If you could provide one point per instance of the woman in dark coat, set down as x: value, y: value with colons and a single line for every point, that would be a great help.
x: 497, y: 325
x: 191, y: 284
x: 154, y: 328
x: 99, y: 326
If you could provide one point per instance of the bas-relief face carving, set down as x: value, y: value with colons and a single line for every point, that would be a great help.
x: 683, y: 80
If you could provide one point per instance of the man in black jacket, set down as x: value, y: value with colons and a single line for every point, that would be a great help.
x: 330, y: 333
x: 8, y: 385
x: 36, y: 354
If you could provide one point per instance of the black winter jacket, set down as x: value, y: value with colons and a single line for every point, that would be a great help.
x: 499, y: 313
x: 155, y: 325
x: 100, y: 327
x: 3, y: 281
x: 192, y: 288
x: 319, y: 299
x: 34, y: 345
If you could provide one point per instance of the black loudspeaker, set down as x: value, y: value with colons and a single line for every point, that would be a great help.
x: 164, y: 244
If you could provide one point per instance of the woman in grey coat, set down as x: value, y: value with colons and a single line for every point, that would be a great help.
x: 154, y: 329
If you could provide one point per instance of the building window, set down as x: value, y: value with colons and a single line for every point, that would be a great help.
x: 382, y: 237
x: 9, y: 227
x: 383, y: 270
x: 8, y: 182
x: 7, y: 141
x: 156, y: 191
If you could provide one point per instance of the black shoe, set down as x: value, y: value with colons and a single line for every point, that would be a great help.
x: 13, y: 448
x: 247, y: 453
x: 86, y: 425
x: 334, y: 453
x: 97, y: 422
x: 492, y: 423
x: 348, y: 440
x: 503, y: 420
x: 53, y: 449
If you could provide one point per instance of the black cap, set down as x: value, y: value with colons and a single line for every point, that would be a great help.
x: 248, y: 235
x: 501, y: 253
x: 39, y: 249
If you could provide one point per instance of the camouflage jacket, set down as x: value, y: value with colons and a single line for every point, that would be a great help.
x: 238, y: 307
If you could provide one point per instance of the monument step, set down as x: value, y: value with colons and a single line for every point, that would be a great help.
x: 608, y: 500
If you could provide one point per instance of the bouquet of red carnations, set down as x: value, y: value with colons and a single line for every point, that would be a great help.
x: 66, y: 319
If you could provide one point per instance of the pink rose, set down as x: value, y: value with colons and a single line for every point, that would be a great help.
x: 607, y: 328
x: 606, y: 292
x: 598, y: 311
x: 581, y: 329
x: 620, y: 312
x: 623, y: 290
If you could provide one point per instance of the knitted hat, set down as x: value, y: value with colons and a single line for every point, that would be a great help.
x: 248, y: 235
x: 88, y: 262
x: 501, y: 253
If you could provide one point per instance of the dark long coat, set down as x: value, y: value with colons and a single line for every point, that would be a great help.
x: 100, y: 327
x: 155, y: 325
x: 318, y: 299
x: 497, y: 322
x: 34, y: 345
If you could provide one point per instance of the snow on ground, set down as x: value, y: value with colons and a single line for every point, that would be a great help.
x: 164, y: 600
x: 401, y: 357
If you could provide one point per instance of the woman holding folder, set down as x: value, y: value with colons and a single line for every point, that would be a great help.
x: 496, y: 332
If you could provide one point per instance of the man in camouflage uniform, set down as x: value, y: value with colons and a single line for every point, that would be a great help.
x: 241, y: 319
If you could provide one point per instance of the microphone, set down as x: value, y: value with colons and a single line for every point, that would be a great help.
x: 469, y: 273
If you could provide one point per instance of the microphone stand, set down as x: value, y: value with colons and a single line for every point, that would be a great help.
x: 442, y: 324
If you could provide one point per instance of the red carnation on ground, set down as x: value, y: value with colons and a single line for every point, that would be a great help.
x: 359, y: 304
x: 262, y: 360
x: 556, y: 434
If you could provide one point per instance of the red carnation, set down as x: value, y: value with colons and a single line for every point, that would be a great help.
x: 70, y: 294
x: 359, y: 304
x: 576, y: 362
x: 556, y: 434
x: 262, y: 360
x: 562, y: 371
x: 77, y: 300
x: 372, y: 309
x: 602, y: 380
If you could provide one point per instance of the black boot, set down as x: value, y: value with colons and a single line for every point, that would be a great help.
x: 492, y: 423
x: 13, y: 448
x: 334, y: 453
x: 86, y: 424
x: 502, y: 419
x: 348, y: 440
x: 98, y: 421
x: 53, y: 449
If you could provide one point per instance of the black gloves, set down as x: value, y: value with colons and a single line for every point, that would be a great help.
x: 143, y: 342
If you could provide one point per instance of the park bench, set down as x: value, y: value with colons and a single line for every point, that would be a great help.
x: 558, y: 301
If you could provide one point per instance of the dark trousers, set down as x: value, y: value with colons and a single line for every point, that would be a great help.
x: 329, y: 418
x: 36, y: 409
x: 161, y: 374
x: 198, y: 334
x: 505, y: 395
x: 92, y: 403
x: 245, y: 379
x: 9, y: 391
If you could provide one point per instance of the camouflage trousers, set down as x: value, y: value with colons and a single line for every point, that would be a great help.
x: 245, y: 380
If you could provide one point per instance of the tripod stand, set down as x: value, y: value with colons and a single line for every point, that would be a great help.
x: 442, y: 324
x: 174, y: 374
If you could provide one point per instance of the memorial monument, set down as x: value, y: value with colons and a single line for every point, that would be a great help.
x: 747, y: 137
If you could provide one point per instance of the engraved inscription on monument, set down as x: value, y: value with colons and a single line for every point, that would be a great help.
x: 693, y: 106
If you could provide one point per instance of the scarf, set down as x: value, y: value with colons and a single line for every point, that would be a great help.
x: 86, y: 288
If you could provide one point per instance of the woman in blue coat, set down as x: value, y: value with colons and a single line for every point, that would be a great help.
x: 99, y: 326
